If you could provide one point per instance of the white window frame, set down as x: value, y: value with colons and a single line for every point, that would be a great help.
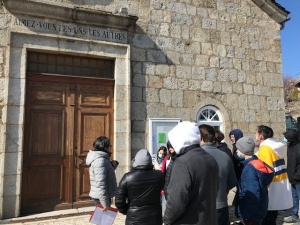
x: 209, y: 121
x: 164, y: 125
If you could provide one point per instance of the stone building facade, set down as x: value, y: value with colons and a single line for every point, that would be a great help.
x: 171, y: 59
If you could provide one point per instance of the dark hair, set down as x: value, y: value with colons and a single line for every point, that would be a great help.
x: 101, y: 144
x: 169, y: 145
x: 219, y: 136
x: 207, y: 133
x: 265, y: 131
x: 164, y: 149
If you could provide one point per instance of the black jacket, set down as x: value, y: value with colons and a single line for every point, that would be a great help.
x: 138, y: 196
x: 193, y: 189
x: 293, y: 163
x: 224, y: 148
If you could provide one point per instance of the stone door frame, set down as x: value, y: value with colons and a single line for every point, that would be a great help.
x: 13, y: 112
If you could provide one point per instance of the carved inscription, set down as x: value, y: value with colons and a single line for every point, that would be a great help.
x: 69, y: 29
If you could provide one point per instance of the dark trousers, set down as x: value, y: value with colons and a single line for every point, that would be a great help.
x: 270, y: 218
x: 251, y: 222
x: 223, y: 216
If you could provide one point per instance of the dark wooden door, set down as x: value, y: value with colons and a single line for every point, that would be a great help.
x: 62, y: 119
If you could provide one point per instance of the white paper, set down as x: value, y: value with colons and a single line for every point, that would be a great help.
x: 103, y: 218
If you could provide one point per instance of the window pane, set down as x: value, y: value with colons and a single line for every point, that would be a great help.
x: 69, y: 70
x: 77, y: 71
x: 93, y: 73
x: 51, y: 59
x: 85, y: 72
x: 42, y: 68
x: 42, y: 58
x: 60, y: 69
x: 69, y: 61
x: 85, y: 63
x: 101, y: 65
x: 51, y: 69
x: 93, y: 63
x: 33, y: 57
x: 32, y: 67
x: 60, y: 60
x: 77, y: 62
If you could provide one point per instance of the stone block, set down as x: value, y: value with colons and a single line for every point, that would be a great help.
x: 184, y: 71
x: 211, y: 74
x: 237, y: 63
x: 225, y: 63
x: 165, y: 97
x: 177, y: 98
x: 14, y: 137
x: 188, y: 59
x: 153, y: 29
x: 193, y: 48
x: 209, y: 23
x: 215, y: 37
x: 138, y: 54
x: 185, y: 32
x: 13, y: 163
x: 155, y: 110
x: 248, y: 89
x: 137, y: 142
x: 11, y: 185
x: 155, y: 82
x: 182, y: 113
x: 202, y: 60
x: 138, y: 110
x: 12, y: 206
x: 156, y: 56
x: 16, y: 92
x: 170, y: 83
x: 226, y: 88
x: 214, y: 62
x: 232, y: 101
x: 189, y: 99
x: 122, y: 141
x: 162, y: 70
x: 238, y: 115
x: 275, y: 103
x: 139, y: 80
x: 262, y: 116
x: 194, y: 85
x: 136, y: 94
x: 15, y: 115
x: 237, y: 88
x: 123, y: 112
x: 183, y: 84
x: 176, y: 7
x: 207, y: 86
x: 230, y: 51
x: 138, y: 126
x: 122, y: 126
x: 253, y: 102
x: 198, y: 73
x: 206, y: 48
x: 150, y: 95
x: 164, y: 29
x: 213, y: 14
x: 250, y: 116
x: 173, y: 57
x: 243, y: 103
x: 217, y: 87
x: 182, y: 19
x: 136, y: 67
x: 148, y: 68
x: 175, y: 30
x: 143, y: 41
x: 219, y: 50
x: 197, y: 34
x: 191, y: 10
x: 179, y: 46
x: 156, y: 16
x: 165, y: 43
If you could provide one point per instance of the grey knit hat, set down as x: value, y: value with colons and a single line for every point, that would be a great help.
x: 142, y: 158
x: 246, y: 145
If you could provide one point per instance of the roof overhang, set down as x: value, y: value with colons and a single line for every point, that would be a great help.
x: 274, y: 10
x: 70, y: 14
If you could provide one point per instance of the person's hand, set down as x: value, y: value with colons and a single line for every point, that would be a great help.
x: 105, y: 209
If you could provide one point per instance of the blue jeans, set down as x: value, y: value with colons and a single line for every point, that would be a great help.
x: 296, y: 196
x: 223, y: 216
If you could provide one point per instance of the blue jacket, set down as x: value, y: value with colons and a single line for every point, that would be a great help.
x: 253, y: 189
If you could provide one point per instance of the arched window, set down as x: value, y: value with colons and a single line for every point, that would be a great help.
x: 211, y: 116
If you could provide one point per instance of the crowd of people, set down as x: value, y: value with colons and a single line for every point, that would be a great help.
x: 194, y: 173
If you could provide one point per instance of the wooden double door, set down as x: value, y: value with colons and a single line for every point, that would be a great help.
x: 63, y: 117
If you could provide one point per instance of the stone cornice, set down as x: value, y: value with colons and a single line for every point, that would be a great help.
x: 274, y: 10
x: 70, y: 14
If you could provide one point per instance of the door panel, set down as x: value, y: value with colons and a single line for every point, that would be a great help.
x: 62, y: 121
x: 94, y: 119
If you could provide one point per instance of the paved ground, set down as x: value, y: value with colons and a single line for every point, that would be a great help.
x: 81, y: 217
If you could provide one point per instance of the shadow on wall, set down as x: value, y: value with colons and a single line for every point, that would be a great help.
x: 92, y: 2
x: 150, y: 81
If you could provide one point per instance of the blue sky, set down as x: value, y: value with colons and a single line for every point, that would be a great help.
x: 290, y: 39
